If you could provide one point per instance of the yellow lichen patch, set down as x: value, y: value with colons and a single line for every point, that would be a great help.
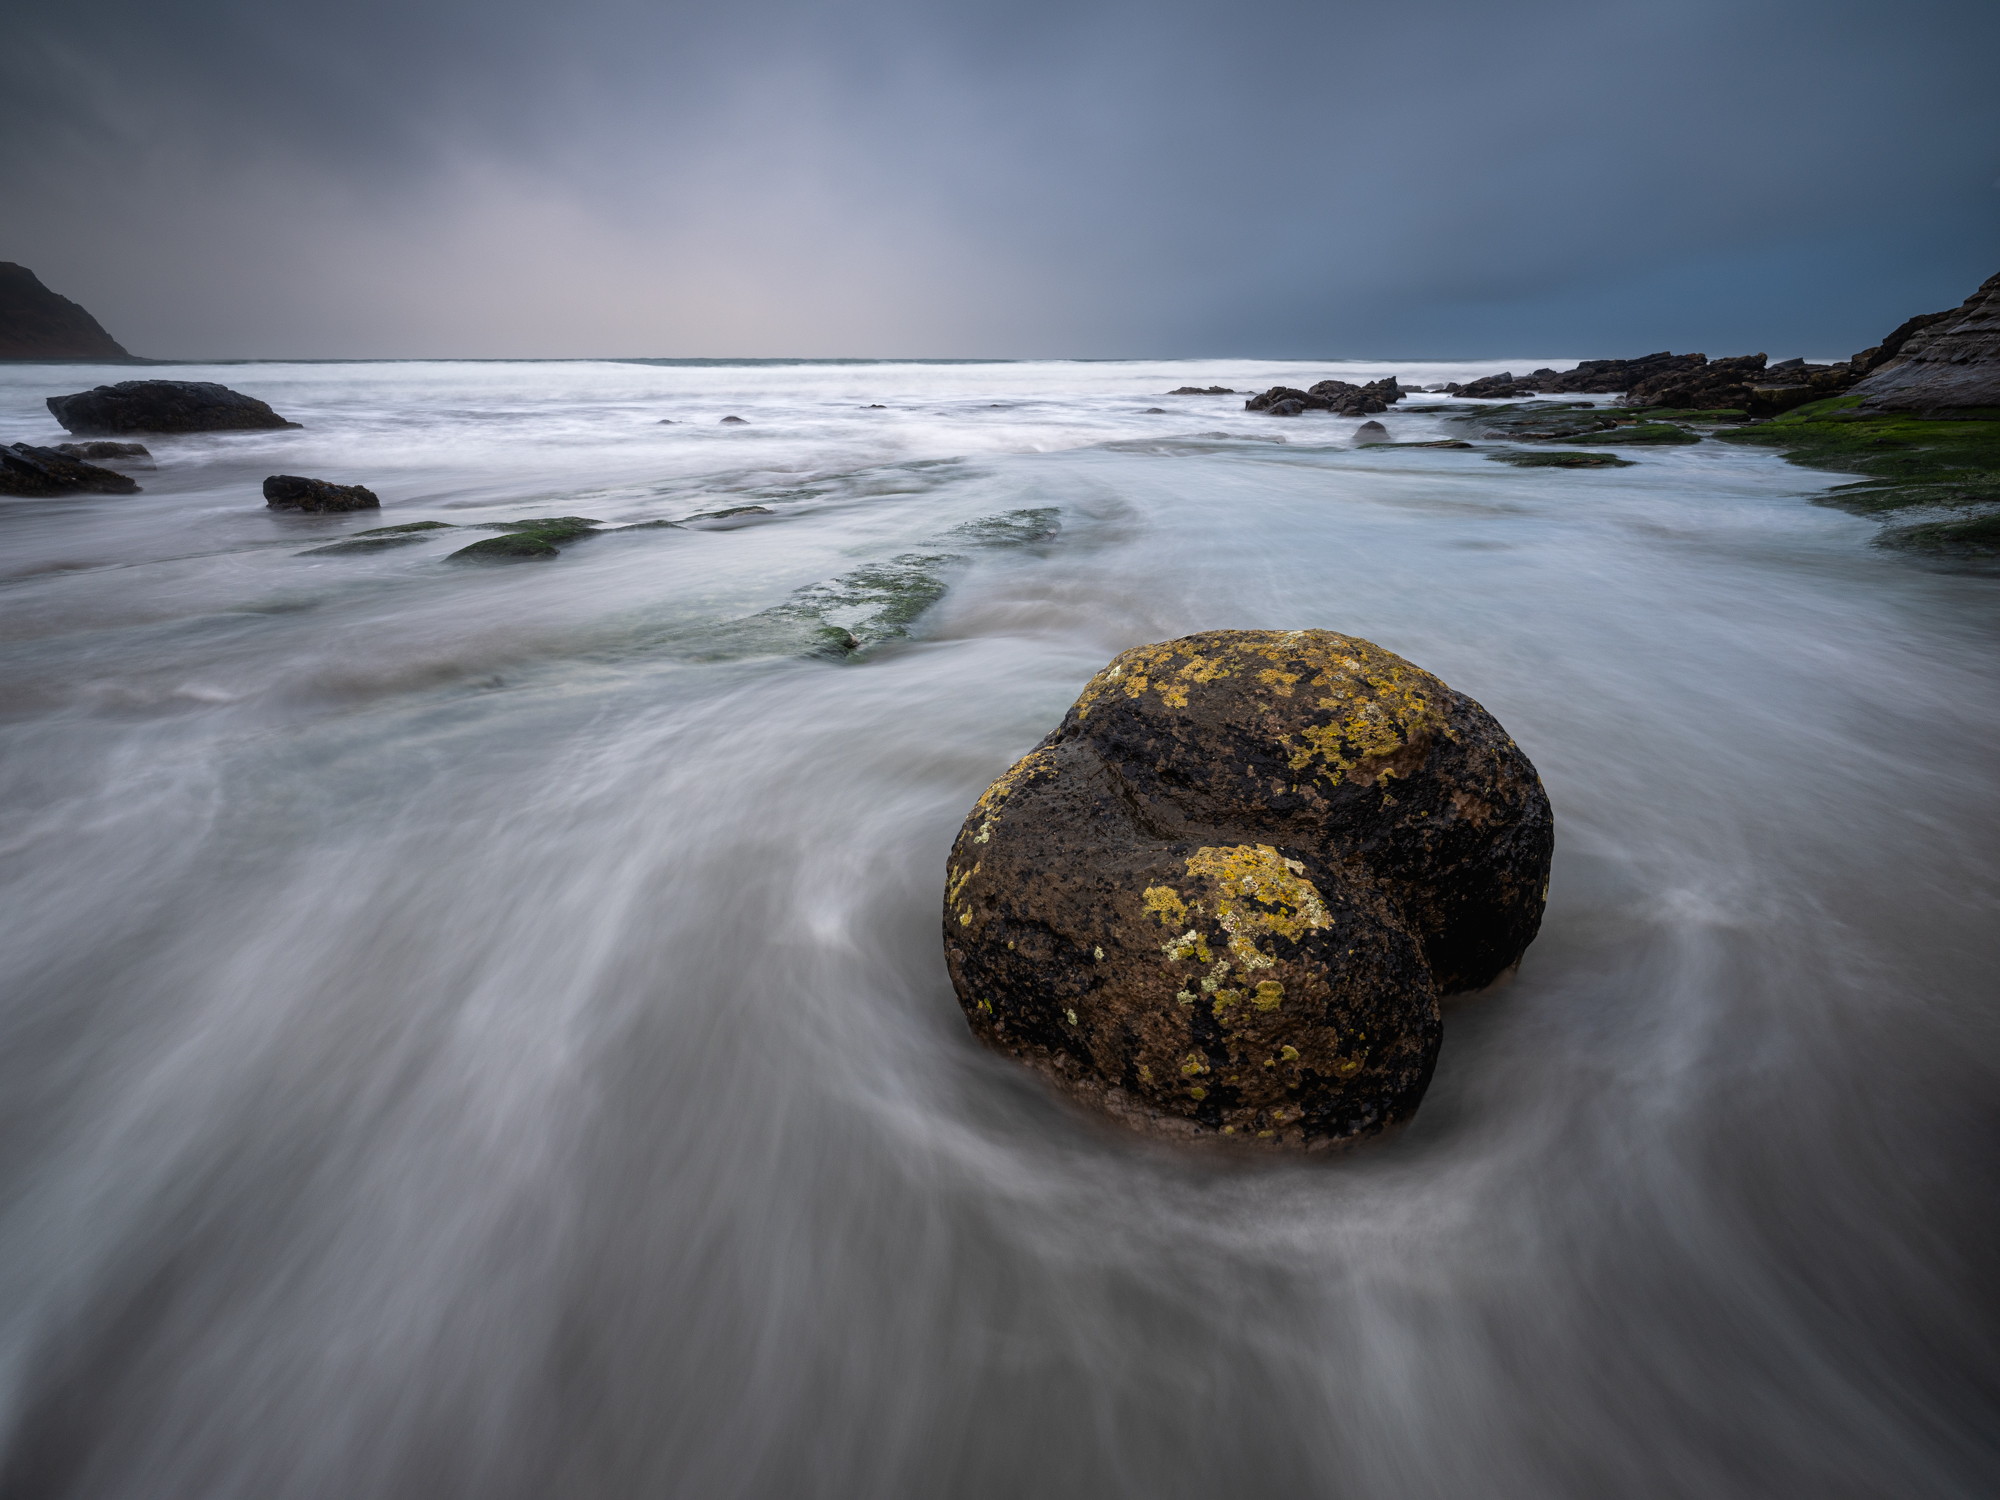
x: 1259, y: 891
x: 1193, y: 1063
x: 1197, y: 1093
x: 958, y: 884
x: 1270, y: 995
x: 1289, y: 1053
x: 1277, y: 681
x: 1164, y: 902
x: 1190, y: 944
x: 1347, y: 1067
x: 987, y: 808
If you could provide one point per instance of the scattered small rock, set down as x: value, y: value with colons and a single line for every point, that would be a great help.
x: 1155, y: 411
x: 162, y: 406
x: 1203, y: 390
x: 732, y: 422
x: 320, y: 496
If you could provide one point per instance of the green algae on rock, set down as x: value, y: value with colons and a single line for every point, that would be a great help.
x: 1639, y: 432
x: 1910, y: 462
x: 534, y: 538
x: 1226, y: 892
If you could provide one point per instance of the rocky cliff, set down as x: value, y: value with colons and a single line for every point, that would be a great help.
x: 35, y: 323
x: 1948, y: 364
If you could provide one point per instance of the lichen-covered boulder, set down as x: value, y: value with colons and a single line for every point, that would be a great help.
x: 1225, y: 894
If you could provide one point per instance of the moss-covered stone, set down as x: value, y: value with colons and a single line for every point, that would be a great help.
x: 535, y: 538
x: 407, y: 527
x: 1538, y: 459
x: 362, y: 545
x: 1652, y: 433
x: 1908, y: 461
x: 1224, y: 895
x: 1978, y: 536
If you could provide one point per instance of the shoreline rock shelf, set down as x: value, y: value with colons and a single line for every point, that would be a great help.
x: 1224, y: 896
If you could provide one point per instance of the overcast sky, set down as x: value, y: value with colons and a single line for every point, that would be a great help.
x: 1090, y: 178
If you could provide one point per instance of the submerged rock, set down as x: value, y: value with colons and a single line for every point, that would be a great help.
x: 536, y: 537
x: 1202, y: 390
x: 1560, y: 460
x: 1371, y: 432
x: 103, y: 450
x: 732, y: 422
x: 162, y: 406
x: 27, y: 470
x: 1225, y: 894
x: 320, y: 496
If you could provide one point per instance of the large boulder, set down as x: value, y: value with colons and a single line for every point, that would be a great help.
x: 26, y: 470
x: 295, y: 492
x: 1226, y: 893
x: 1948, y: 365
x: 162, y: 406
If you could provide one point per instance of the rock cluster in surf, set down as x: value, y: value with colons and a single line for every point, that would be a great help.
x: 1224, y: 895
x: 320, y: 496
x: 1337, y: 396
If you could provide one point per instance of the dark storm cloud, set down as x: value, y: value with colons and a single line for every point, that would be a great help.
x: 1111, y: 178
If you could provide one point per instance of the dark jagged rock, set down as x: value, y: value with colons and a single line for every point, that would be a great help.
x: 1337, y: 396
x: 1224, y: 895
x: 1948, y: 365
x: 295, y: 492
x: 1600, y: 377
x: 1201, y: 390
x: 103, y: 450
x: 162, y: 406
x: 36, y: 323
x: 1712, y: 383
x: 26, y: 470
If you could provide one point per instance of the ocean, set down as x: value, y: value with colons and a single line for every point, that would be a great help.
x: 483, y: 1031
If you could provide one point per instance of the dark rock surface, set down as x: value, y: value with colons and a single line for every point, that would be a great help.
x: 162, y: 406
x: 103, y: 450
x: 36, y: 323
x: 732, y: 422
x: 26, y: 470
x: 1224, y: 895
x: 1337, y: 396
x: 1948, y: 364
x: 1201, y: 390
x: 1371, y: 432
x: 294, y: 492
x: 1561, y: 460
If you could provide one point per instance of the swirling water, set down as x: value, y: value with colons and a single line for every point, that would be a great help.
x: 483, y: 1032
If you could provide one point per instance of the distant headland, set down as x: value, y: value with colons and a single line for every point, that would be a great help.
x: 36, y: 323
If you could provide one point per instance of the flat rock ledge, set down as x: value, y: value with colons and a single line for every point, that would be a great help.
x: 1223, y: 898
x: 162, y: 406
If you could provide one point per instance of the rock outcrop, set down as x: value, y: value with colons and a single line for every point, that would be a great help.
x: 1202, y: 390
x: 26, y: 470
x: 1948, y: 363
x: 295, y: 492
x: 1337, y: 396
x: 162, y: 406
x: 1226, y: 893
x: 36, y: 323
